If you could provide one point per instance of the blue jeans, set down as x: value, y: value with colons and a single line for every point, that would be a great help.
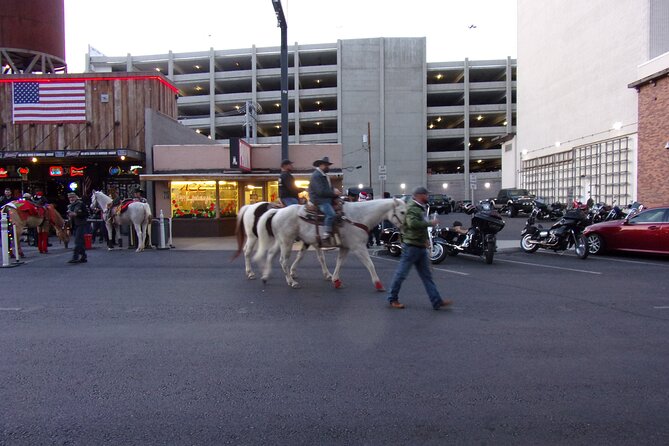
x: 329, y: 212
x: 289, y: 201
x: 79, y: 246
x: 417, y: 256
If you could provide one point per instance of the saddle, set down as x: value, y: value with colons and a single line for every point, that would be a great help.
x: 27, y: 208
x: 115, y: 211
x: 312, y: 215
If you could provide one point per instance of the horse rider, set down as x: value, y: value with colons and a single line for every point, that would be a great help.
x: 40, y: 199
x: 138, y: 195
x: 288, y: 191
x: 321, y: 193
x: 78, y: 214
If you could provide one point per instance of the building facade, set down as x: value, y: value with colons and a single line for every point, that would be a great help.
x: 578, y: 122
x: 399, y: 119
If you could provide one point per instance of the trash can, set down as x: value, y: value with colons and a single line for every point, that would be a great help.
x: 88, y: 241
x: 155, y: 232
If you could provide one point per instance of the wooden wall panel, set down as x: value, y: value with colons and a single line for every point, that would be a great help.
x: 127, y: 100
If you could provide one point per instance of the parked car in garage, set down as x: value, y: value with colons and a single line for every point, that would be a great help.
x: 440, y: 203
x: 646, y: 231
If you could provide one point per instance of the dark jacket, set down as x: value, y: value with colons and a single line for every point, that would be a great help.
x: 320, y: 189
x: 287, y: 188
x: 81, y: 213
x: 415, y: 227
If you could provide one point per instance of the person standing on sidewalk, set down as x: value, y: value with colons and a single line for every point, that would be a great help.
x: 78, y: 214
x: 288, y: 191
x: 414, y: 252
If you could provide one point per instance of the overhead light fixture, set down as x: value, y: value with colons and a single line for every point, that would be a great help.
x: 197, y: 67
x: 198, y: 131
x: 479, y: 117
x: 198, y: 88
x: 439, y: 76
x: 157, y: 68
x: 439, y: 119
x: 431, y: 126
x: 33, y: 159
x: 557, y: 143
x: 617, y: 125
x: 237, y: 107
x: 504, y: 123
x: 480, y: 139
x: 445, y: 185
x: 122, y: 157
x: 479, y: 161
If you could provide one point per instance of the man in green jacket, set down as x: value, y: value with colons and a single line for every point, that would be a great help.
x: 414, y: 252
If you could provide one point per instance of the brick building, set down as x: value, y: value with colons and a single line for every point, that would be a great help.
x: 653, y: 156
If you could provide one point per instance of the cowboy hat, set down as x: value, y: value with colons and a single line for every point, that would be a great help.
x: 285, y: 162
x: 325, y: 160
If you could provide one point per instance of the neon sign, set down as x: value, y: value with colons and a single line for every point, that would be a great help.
x: 56, y: 171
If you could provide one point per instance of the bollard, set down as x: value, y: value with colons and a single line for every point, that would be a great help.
x: 161, y: 227
x: 4, y: 234
x: 5, y: 241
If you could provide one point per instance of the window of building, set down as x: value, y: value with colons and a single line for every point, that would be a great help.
x: 197, y: 199
x: 601, y: 171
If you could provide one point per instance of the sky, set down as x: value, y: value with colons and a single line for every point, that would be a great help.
x: 455, y: 29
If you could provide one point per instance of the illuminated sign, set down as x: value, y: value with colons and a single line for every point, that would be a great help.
x: 244, y: 156
x: 56, y: 171
x: 114, y: 170
x: 77, y: 171
x: 3, y: 172
x: 23, y: 170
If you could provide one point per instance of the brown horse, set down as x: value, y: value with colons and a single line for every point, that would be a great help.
x: 42, y: 221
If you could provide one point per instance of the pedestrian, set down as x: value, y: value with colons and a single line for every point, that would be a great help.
x: 288, y: 191
x: 7, y: 197
x: 321, y: 193
x: 414, y: 252
x: 78, y: 214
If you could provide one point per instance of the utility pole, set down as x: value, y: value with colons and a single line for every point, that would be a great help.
x: 369, y: 152
x: 281, y: 23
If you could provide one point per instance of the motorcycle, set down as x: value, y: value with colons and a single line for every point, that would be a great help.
x: 550, y: 212
x: 480, y: 239
x: 392, y: 240
x: 563, y: 235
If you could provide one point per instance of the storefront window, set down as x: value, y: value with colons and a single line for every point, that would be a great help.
x: 273, y: 191
x: 253, y: 194
x: 193, y: 199
x: 228, y: 191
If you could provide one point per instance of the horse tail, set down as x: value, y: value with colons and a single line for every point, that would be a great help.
x: 240, y: 232
x: 265, y: 234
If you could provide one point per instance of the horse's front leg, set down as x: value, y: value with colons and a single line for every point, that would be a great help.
x: 249, y: 246
x: 366, y: 260
x: 343, y: 252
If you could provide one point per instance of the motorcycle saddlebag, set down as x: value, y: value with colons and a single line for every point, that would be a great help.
x: 488, y: 221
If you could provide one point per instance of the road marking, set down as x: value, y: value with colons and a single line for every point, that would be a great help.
x: 551, y: 267
x: 10, y: 309
x: 665, y: 307
x: 460, y: 273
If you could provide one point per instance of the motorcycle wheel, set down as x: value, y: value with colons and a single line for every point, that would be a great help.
x: 394, y: 251
x: 488, y: 253
x: 526, y: 245
x: 595, y: 244
x: 437, y: 253
x: 581, y: 247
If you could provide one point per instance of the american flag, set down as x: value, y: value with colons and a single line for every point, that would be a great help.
x: 49, y: 102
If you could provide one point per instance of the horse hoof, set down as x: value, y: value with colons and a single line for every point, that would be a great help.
x: 295, y: 285
x: 250, y: 276
x: 379, y: 286
x: 337, y: 284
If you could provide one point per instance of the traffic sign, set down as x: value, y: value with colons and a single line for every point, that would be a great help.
x: 382, y: 170
x: 382, y: 177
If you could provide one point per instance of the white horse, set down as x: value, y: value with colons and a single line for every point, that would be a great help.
x: 361, y: 217
x: 247, y: 237
x: 137, y: 214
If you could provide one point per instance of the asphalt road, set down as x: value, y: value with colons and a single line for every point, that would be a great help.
x: 177, y: 347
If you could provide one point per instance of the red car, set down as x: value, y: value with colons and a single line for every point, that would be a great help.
x: 647, y: 231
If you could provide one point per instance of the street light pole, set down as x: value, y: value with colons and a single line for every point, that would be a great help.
x: 281, y: 23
